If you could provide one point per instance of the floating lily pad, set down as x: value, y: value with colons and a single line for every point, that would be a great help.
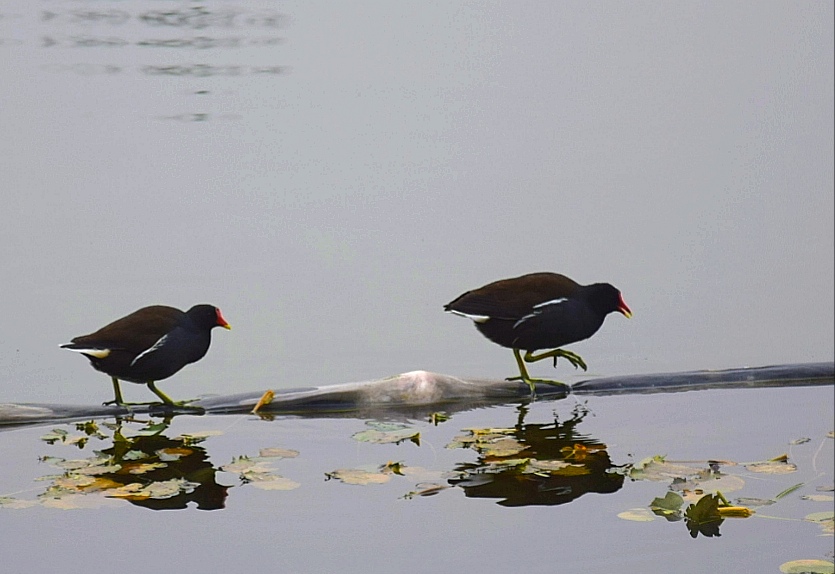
x: 76, y: 501
x: 16, y: 503
x: 278, y: 453
x: 246, y: 464
x: 749, y: 501
x: 669, y: 506
x: 818, y: 497
x: 501, y: 447
x: 197, y: 437
x: 155, y: 490
x: 54, y: 436
x: 359, y: 476
x: 276, y: 483
x: 637, y: 515
x: 393, y: 435
x: 658, y: 469
x: 550, y: 465
x: 171, y: 454
x: 820, y: 517
x: 135, y: 455
x: 151, y: 429
x: 426, y: 489
x: 142, y: 468
x: 772, y: 467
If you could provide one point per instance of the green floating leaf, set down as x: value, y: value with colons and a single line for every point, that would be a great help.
x: 657, y: 469
x: 155, y: 490
x: 54, y: 436
x: 748, y: 501
x: 75, y: 501
x: 151, y: 429
x: 772, y: 467
x: 278, y: 453
x: 16, y: 503
x: 134, y: 455
x: 438, y: 417
x: 395, y: 436
x: 73, y: 464
x: 714, y: 483
x: 276, y: 483
x: 501, y: 447
x: 197, y: 437
x: 669, y: 506
x: 246, y: 464
x: 426, y: 489
x: 550, y: 466
x: 95, y: 469
x: 818, y: 497
x: 142, y: 468
x: 808, y: 567
x: 359, y: 476
x: 172, y: 454
x: 637, y: 515
x: 820, y: 517
x: 703, y: 517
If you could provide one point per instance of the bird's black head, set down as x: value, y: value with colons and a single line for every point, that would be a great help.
x: 207, y: 317
x: 605, y: 299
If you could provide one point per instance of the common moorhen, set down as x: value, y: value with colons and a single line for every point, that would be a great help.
x: 149, y: 345
x: 539, y: 311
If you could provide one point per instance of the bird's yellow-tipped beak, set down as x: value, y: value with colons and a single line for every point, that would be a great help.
x: 221, y: 322
x: 227, y: 326
x: 624, y: 308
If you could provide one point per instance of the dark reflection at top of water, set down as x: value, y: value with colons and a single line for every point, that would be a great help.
x: 538, y: 464
x: 194, y: 18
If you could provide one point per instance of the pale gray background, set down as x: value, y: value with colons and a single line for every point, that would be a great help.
x: 404, y: 153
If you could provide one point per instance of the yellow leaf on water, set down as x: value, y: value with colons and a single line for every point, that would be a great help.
x: 265, y: 399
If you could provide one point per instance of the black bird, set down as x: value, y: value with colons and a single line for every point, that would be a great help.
x: 149, y: 345
x: 539, y: 311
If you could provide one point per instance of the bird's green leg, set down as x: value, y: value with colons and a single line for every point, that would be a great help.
x: 166, y: 399
x: 526, y: 378
x: 117, y: 391
x: 572, y: 358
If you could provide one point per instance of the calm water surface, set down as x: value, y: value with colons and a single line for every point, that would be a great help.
x: 331, y: 175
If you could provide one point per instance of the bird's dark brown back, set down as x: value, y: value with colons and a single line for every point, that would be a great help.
x: 135, y: 332
x: 513, y: 298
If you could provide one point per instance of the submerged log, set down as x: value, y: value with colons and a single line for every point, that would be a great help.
x: 419, y: 392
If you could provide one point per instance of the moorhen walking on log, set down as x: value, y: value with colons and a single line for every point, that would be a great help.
x: 539, y: 311
x: 149, y: 345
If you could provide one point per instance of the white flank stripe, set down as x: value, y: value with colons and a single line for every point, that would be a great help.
x: 525, y: 318
x: 551, y: 302
x: 151, y: 349
x: 476, y: 318
x: 97, y: 353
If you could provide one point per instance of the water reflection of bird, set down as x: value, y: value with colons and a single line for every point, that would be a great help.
x: 539, y: 311
x: 149, y: 345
